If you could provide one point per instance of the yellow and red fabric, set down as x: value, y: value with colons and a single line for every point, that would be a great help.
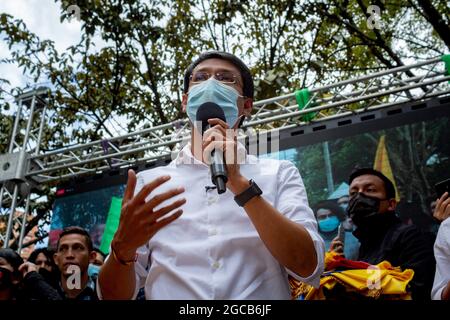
x: 358, y: 278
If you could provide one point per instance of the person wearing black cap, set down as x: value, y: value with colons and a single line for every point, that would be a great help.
x: 20, y: 281
x: 240, y: 244
x: 10, y: 276
x: 382, y: 235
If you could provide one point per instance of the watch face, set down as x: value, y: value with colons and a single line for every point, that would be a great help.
x: 256, y: 187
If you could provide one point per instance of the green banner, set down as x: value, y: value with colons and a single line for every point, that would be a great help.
x: 303, y: 98
x: 112, y: 223
x: 446, y: 59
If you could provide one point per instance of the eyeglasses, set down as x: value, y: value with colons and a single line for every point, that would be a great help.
x: 225, y: 77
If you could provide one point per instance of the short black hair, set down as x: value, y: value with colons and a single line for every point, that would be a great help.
x: 13, y: 258
x: 76, y: 230
x: 388, y: 185
x: 101, y: 252
x: 332, y: 206
x: 248, y: 86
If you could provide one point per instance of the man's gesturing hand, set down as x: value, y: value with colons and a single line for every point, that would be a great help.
x: 138, y: 219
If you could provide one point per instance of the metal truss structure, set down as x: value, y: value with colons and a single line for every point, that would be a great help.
x: 25, y: 166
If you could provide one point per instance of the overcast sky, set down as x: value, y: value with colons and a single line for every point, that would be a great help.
x: 41, y: 17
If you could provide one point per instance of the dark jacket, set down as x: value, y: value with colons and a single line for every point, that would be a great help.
x: 405, y: 246
x: 88, y: 293
x: 36, y: 288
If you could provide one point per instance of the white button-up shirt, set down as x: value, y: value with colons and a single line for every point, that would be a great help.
x: 213, y: 251
x: 442, y: 255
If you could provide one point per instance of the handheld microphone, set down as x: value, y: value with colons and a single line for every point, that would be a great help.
x: 219, y: 175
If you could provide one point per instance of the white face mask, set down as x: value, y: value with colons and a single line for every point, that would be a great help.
x: 212, y: 90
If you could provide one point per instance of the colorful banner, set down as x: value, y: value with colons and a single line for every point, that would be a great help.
x: 383, y: 165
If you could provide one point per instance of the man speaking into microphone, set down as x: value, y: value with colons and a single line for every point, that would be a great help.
x: 182, y: 236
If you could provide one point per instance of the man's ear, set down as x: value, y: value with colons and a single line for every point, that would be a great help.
x: 248, y: 105
x: 56, y: 258
x: 92, y: 256
x: 184, y: 99
x: 392, y: 204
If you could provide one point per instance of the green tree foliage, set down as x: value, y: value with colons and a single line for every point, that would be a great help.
x: 132, y: 54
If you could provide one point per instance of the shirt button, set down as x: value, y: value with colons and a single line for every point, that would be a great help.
x: 216, y: 265
x: 212, y: 200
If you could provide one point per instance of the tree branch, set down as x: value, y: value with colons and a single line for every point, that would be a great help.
x: 213, y: 36
x: 430, y: 13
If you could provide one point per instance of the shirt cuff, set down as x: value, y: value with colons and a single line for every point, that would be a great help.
x: 314, y: 278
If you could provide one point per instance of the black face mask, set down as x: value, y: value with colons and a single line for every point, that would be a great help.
x: 5, y: 278
x: 362, y: 208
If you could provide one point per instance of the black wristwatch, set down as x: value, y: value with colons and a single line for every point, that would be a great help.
x: 252, y: 191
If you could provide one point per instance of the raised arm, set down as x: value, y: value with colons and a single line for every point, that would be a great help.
x: 138, y: 224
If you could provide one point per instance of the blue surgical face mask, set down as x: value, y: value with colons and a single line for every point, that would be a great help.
x: 93, y: 270
x: 329, y: 224
x: 212, y: 90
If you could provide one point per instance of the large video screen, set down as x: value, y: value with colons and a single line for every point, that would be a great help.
x: 415, y: 156
x: 418, y: 156
x: 97, y: 211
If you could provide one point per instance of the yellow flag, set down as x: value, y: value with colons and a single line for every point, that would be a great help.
x: 382, y: 164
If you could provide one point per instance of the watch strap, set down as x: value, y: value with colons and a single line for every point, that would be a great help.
x: 252, y: 191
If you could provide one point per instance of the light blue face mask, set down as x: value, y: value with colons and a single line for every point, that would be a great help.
x: 93, y: 270
x: 329, y: 224
x: 212, y: 90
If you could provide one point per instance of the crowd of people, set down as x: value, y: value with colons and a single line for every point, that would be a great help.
x: 68, y: 272
x: 244, y: 244
x: 382, y: 236
x: 71, y: 270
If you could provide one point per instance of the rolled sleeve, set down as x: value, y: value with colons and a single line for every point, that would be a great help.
x: 314, y: 278
x: 292, y: 202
